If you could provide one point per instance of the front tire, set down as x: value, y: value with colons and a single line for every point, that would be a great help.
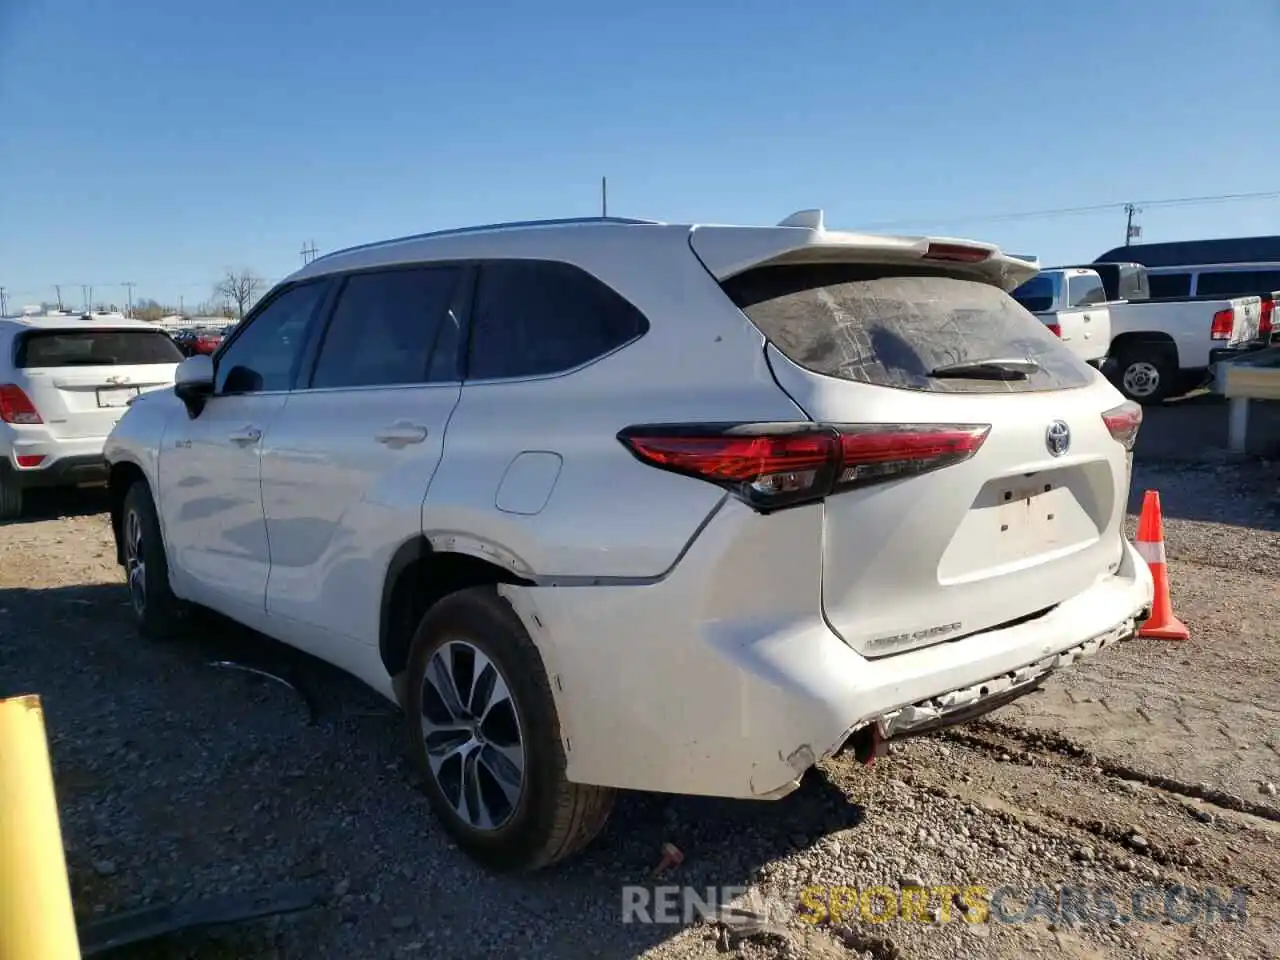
x: 484, y: 733
x: 155, y: 608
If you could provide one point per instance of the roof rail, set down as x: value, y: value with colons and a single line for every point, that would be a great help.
x: 485, y: 228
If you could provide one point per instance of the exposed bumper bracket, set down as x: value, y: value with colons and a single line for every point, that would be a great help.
x: 973, y: 701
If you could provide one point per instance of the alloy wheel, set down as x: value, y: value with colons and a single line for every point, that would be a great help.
x: 473, y: 735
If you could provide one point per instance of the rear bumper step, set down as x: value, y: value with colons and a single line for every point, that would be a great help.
x: 968, y: 703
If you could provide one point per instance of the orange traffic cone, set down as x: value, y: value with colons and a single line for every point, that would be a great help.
x: 1162, y: 625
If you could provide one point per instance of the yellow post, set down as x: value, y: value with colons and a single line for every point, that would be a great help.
x: 37, y: 921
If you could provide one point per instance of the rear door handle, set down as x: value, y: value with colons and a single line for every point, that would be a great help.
x: 246, y: 436
x: 401, y: 433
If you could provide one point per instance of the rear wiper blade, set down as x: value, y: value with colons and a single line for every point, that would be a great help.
x: 997, y: 368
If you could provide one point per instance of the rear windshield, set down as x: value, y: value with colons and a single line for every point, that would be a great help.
x: 1039, y: 293
x: 894, y: 326
x: 99, y: 348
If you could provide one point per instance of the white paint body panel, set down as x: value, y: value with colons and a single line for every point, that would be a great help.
x: 1188, y: 323
x: 685, y: 633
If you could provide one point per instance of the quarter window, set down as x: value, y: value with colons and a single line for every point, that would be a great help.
x: 392, y: 327
x: 266, y: 354
x: 539, y: 317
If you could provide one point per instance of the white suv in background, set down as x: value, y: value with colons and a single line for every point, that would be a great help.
x: 619, y: 504
x: 64, y: 382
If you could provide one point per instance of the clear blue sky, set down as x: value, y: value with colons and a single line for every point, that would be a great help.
x: 161, y: 141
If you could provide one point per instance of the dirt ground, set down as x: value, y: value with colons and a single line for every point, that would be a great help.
x: 1154, y: 765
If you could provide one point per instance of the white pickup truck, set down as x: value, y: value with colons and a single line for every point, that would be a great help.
x: 1151, y: 349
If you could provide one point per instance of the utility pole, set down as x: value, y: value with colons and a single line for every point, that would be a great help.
x: 90, y: 310
x: 84, y: 294
x: 1132, y: 231
x: 4, y: 303
x: 57, y: 288
x: 129, y: 285
x: 308, y: 252
x: 604, y: 196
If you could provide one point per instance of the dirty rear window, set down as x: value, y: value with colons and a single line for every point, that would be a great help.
x: 96, y: 348
x: 892, y: 326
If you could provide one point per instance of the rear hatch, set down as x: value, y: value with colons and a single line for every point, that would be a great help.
x: 1033, y: 518
x: 81, y: 379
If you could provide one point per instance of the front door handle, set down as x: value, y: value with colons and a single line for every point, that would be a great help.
x: 401, y: 433
x: 246, y: 436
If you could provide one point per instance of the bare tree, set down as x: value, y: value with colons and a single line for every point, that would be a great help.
x: 240, y: 287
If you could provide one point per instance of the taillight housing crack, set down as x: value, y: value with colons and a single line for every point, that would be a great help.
x: 771, y: 466
x: 1124, y: 422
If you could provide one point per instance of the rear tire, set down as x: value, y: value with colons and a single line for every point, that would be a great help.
x: 1147, y: 373
x: 157, y: 611
x: 495, y: 771
x: 10, y: 497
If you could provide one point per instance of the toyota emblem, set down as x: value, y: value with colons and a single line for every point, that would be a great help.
x: 1058, y: 438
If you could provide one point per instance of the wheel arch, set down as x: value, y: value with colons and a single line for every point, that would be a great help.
x: 123, y: 475
x: 1130, y: 341
x: 418, y: 576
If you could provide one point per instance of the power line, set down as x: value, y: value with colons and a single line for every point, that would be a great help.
x: 1091, y: 208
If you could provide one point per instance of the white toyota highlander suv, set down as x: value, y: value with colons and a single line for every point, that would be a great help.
x: 618, y: 504
x: 64, y: 382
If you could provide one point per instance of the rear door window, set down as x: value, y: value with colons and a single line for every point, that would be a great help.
x: 95, y: 348
x: 1040, y: 293
x: 1085, y: 290
x: 391, y: 327
x: 1169, y: 285
x: 892, y: 327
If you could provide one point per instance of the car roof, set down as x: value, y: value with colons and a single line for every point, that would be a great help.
x: 15, y: 324
x: 723, y: 248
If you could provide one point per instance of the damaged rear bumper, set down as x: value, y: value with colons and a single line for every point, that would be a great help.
x: 967, y: 703
x: 676, y: 687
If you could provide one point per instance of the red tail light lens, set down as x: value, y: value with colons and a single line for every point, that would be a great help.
x: 30, y: 459
x: 16, y: 406
x: 770, y: 466
x: 1265, y: 319
x: 1123, y: 422
x: 1224, y: 322
x: 956, y: 252
x: 1055, y: 329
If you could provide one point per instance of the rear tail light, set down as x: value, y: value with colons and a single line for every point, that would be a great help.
x: 956, y: 252
x: 1123, y: 422
x: 1265, y: 318
x: 1224, y: 322
x: 774, y: 465
x: 16, y: 406
x: 1055, y: 329
x: 30, y: 459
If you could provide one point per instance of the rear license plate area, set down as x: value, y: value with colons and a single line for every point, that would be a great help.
x: 111, y: 397
x: 1028, y: 511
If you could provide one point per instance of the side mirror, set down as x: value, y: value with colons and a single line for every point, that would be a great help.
x: 193, y: 382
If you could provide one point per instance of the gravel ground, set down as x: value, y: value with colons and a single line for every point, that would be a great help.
x: 1157, y: 764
